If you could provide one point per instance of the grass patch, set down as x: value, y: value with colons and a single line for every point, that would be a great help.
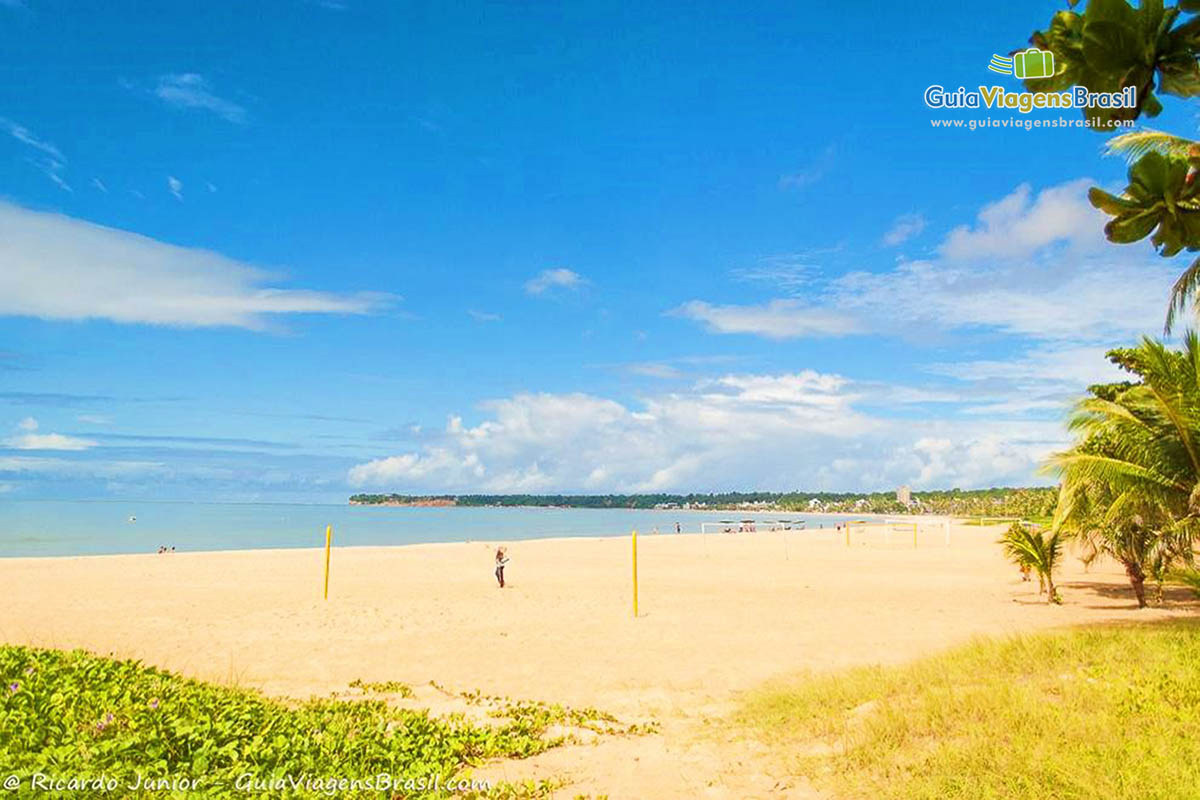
x: 79, y: 715
x: 1109, y: 712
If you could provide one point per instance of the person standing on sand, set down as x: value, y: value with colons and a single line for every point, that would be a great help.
x: 501, y: 560
x: 677, y: 528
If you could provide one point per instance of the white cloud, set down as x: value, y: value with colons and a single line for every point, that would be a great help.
x: 1019, y: 224
x: 778, y: 319
x: 175, y: 187
x: 904, y: 228
x: 57, y: 267
x: 814, y: 172
x: 1034, y: 266
x: 61, y: 467
x: 26, y: 136
x: 547, y: 279
x: 99, y: 186
x: 29, y: 439
x: 1056, y: 296
x: 48, y: 159
x: 778, y: 431
x: 654, y: 370
x: 190, y: 90
x: 483, y: 316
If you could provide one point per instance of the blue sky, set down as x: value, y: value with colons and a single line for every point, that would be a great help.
x: 307, y: 248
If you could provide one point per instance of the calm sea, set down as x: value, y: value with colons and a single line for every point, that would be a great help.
x: 60, y: 528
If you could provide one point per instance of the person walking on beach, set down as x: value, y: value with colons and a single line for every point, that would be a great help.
x: 501, y: 560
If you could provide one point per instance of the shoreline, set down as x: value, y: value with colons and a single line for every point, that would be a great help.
x: 642, y: 536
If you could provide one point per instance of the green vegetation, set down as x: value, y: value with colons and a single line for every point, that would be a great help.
x: 1129, y: 483
x: 1108, y: 47
x: 385, y: 687
x: 1035, y: 550
x: 1078, y: 715
x: 1021, y: 502
x: 76, y: 714
x: 546, y: 715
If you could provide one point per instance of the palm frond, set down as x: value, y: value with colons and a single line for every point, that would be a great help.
x: 1132, y: 146
x: 1183, y: 291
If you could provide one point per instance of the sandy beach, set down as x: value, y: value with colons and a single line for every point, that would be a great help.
x: 719, y: 614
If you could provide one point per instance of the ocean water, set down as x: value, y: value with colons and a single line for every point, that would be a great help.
x: 63, y: 528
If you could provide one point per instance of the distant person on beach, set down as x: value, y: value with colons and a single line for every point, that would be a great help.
x: 677, y: 528
x: 501, y: 560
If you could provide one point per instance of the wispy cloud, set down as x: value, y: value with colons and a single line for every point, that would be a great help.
x: 812, y: 173
x: 548, y: 279
x: 789, y: 271
x: 1028, y: 257
x: 778, y: 319
x: 192, y: 91
x: 904, y: 228
x: 652, y: 369
x: 483, y: 316
x: 28, y: 438
x: 99, y: 186
x: 57, y: 267
x: 175, y: 187
x: 47, y: 158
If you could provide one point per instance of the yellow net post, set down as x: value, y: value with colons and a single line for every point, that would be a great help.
x: 635, y: 610
x: 328, y: 544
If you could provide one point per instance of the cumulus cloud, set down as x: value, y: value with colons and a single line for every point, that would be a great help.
x: 1020, y: 223
x: 778, y: 319
x: 547, y: 279
x: 782, y: 431
x: 58, y: 267
x: 904, y: 228
x: 192, y: 91
x: 28, y: 438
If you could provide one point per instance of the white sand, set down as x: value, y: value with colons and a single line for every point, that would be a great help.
x: 720, y: 613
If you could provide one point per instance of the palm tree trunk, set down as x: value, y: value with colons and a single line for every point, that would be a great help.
x: 1137, y: 579
x: 1050, y: 588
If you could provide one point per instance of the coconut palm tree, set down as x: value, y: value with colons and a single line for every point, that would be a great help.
x: 1030, y: 547
x: 1131, y: 483
x: 1145, y: 551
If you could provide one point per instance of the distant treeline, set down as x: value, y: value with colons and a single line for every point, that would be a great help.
x: 999, y: 502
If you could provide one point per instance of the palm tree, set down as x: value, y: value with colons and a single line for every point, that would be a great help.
x: 1033, y: 548
x: 1163, y: 198
x: 1144, y: 551
x: 1131, y: 483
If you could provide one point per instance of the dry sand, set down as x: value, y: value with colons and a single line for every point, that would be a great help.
x: 720, y: 613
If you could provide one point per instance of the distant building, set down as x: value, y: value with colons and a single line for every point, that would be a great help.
x: 904, y: 495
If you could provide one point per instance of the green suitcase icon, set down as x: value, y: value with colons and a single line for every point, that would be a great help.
x: 1033, y: 63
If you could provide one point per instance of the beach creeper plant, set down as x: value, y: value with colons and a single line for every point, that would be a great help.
x: 77, y: 714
